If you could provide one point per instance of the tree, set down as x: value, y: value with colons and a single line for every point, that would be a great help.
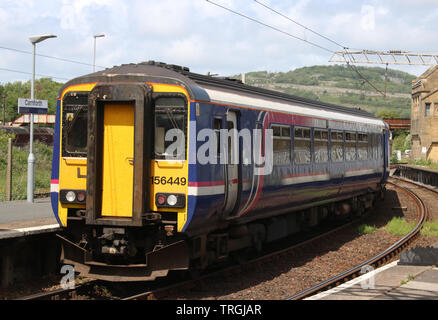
x: 388, y: 114
x: 45, y: 89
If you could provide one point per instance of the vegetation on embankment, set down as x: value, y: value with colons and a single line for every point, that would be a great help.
x: 43, y: 166
x: 340, y: 84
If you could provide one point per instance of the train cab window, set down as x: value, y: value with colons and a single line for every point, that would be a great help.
x: 320, y: 138
x: 170, y: 128
x: 282, y: 144
x: 74, y: 125
x: 350, y: 146
x: 362, y: 146
x: 302, y: 142
x: 337, y: 146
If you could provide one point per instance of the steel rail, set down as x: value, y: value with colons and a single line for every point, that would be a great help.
x: 58, y: 294
x: 154, y: 294
x: 375, y: 261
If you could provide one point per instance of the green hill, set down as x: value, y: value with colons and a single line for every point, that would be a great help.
x: 340, y: 84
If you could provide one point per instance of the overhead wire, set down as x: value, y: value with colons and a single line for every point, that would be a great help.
x: 269, y: 26
x: 301, y: 25
x: 40, y: 75
x: 349, y: 63
x: 50, y: 57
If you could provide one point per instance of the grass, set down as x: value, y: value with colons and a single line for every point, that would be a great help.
x: 425, y: 163
x: 430, y: 229
x: 410, y: 278
x: 366, y: 229
x: 399, y: 226
x: 43, y: 166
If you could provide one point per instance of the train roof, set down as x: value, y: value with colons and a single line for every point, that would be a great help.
x: 196, y: 85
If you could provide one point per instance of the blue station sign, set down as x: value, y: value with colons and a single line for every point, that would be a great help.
x: 32, y: 106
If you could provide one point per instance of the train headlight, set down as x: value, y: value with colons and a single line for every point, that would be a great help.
x: 70, y: 196
x: 172, y: 200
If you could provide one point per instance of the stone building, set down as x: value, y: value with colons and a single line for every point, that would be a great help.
x: 424, y: 116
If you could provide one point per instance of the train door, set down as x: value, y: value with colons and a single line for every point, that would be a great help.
x: 119, y: 148
x: 231, y: 167
x: 118, y: 160
x: 385, y: 154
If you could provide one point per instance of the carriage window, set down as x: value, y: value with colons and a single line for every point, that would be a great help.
x: 217, y: 126
x: 302, y: 144
x: 337, y: 146
x: 379, y: 150
x: 281, y: 145
x: 320, y: 138
x: 370, y: 146
x: 350, y: 146
x: 74, y: 124
x: 170, y: 129
x: 362, y: 147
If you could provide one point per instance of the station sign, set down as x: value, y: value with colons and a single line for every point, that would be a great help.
x: 32, y: 106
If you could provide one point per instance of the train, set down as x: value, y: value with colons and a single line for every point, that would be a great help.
x: 157, y: 169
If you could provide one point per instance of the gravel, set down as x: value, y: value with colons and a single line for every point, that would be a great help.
x: 297, y: 271
x: 300, y: 269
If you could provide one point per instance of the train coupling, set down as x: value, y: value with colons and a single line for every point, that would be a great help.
x: 115, y: 242
x: 157, y: 263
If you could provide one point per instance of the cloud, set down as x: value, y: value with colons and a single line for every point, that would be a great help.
x: 367, y: 21
x: 204, y: 37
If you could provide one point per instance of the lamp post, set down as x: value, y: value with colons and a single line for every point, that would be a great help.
x: 99, y: 35
x: 31, y: 159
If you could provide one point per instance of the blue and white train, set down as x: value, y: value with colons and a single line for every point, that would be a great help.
x: 251, y: 166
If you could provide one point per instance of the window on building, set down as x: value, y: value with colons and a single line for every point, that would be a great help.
x: 350, y: 146
x: 427, y: 110
x: 302, y: 145
x: 337, y: 146
x: 281, y: 144
x: 320, y: 138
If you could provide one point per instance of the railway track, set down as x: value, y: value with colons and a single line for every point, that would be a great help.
x: 166, y: 288
x: 237, y: 269
x: 379, y: 259
x: 62, y: 294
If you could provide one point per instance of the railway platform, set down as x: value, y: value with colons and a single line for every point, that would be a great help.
x: 28, y: 248
x: 21, y: 218
x: 394, y: 281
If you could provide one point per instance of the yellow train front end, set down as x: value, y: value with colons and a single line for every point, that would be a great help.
x: 123, y: 178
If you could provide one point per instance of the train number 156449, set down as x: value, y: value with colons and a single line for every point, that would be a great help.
x: 169, y: 180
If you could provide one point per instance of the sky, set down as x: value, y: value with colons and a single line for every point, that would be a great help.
x: 204, y: 37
